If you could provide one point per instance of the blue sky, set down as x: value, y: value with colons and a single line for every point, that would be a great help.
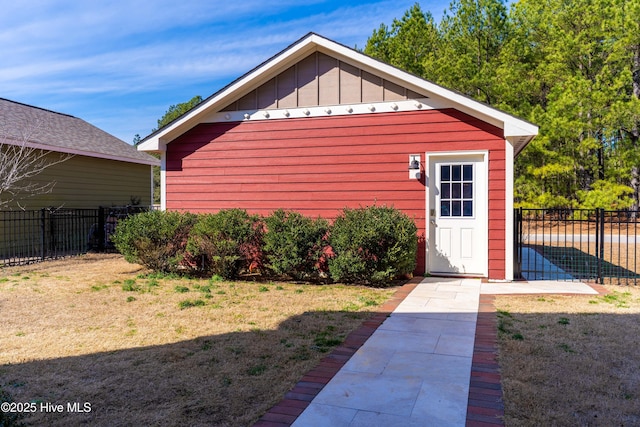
x: 120, y: 64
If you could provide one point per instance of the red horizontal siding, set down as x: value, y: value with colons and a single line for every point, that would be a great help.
x: 299, y: 138
x: 369, y: 197
x: 423, y: 121
x: 495, y: 184
x: 307, y: 178
x: 266, y: 207
x: 497, y: 214
x: 275, y: 184
x: 497, y: 242
x: 320, y: 165
x: 267, y: 151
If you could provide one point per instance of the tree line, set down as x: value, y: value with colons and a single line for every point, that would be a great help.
x: 571, y: 67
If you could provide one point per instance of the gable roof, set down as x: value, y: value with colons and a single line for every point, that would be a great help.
x: 218, y: 106
x: 48, y: 130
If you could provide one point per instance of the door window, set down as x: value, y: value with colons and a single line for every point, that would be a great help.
x: 456, y: 190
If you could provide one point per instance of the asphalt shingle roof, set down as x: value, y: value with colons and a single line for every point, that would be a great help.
x: 62, y: 132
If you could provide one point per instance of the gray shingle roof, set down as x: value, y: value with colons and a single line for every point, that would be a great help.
x: 62, y: 132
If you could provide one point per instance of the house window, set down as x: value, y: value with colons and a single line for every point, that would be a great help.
x: 456, y: 190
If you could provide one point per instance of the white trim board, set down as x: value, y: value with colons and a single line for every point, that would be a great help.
x: 455, y: 156
x: 324, y: 111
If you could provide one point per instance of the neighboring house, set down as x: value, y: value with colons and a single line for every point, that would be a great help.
x: 104, y: 170
x: 320, y: 126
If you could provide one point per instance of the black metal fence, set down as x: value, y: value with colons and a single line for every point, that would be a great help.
x: 36, y: 235
x: 571, y: 244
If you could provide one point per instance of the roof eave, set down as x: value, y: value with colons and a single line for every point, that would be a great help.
x: 151, y: 161
x: 222, y: 98
x: 512, y: 126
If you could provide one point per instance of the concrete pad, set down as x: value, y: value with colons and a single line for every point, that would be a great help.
x: 537, y: 267
x: 316, y: 415
x: 451, y: 327
x: 439, y: 305
x: 377, y: 393
x: 401, y: 322
x: 461, y: 316
x: 537, y: 287
x: 455, y: 345
x: 432, y: 368
x: 440, y: 405
x: 466, y: 315
x: 420, y: 294
x: 452, y: 287
x: 439, y: 280
x: 371, y: 419
x: 371, y: 360
x: 386, y: 339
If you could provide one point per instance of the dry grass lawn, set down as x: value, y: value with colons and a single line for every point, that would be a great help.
x: 571, y: 360
x: 162, y: 351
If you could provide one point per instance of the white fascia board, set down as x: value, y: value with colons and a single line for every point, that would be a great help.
x: 152, y: 144
x: 253, y: 79
x: 519, y: 128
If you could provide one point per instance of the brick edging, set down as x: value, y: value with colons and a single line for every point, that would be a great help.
x: 297, y: 399
x: 485, y: 406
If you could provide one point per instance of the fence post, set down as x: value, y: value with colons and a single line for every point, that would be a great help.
x: 517, y: 243
x: 101, y: 234
x: 599, y: 243
x: 43, y: 234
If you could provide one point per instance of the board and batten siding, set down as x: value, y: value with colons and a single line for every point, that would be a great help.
x: 318, y: 80
x: 317, y: 166
x: 89, y: 182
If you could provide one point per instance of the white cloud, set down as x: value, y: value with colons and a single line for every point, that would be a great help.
x: 71, y: 54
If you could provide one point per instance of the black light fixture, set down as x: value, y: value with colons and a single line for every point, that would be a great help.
x: 414, y: 166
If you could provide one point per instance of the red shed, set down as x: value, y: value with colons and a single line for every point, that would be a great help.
x: 320, y: 127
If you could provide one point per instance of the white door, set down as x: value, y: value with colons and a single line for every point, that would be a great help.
x: 458, y: 215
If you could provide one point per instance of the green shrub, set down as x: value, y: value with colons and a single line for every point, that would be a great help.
x: 227, y: 242
x: 294, y: 244
x: 155, y: 239
x: 372, y: 245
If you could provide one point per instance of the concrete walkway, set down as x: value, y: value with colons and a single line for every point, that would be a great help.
x: 415, y: 369
x: 536, y: 267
